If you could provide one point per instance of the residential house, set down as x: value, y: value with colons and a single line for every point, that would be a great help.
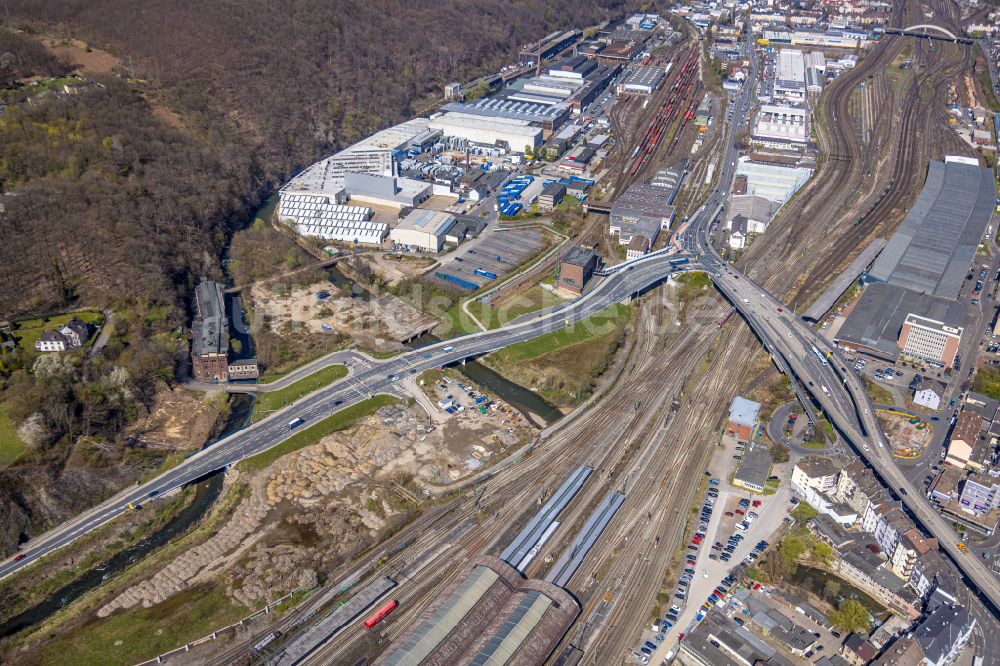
x: 891, y: 525
x: 814, y: 472
x: 858, y: 651
x: 71, y: 335
x: 864, y: 568
x: 943, y: 633
x: 904, y: 651
x: 928, y: 394
x: 962, y: 448
x: 910, y: 546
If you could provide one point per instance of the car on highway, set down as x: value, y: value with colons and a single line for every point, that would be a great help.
x: 392, y: 378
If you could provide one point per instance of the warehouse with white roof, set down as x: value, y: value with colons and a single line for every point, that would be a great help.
x: 517, y: 134
x: 319, y: 216
x: 423, y: 230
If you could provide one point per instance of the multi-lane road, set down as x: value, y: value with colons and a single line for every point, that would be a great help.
x: 380, y: 377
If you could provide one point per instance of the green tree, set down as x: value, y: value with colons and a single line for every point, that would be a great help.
x: 851, y: 616
x: 831, y: 589
x: 822, y: 552
x: 803, y: 513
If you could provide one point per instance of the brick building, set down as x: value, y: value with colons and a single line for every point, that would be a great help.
x: 210, y: 334
x: 576, y: 268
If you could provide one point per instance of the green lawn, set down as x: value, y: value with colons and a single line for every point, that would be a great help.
x: 878, y: 393
x: 319, y: 430
x: 140, y: 633
x: 268, y: 403
x: 599, y: 324
x: 11, y: 446
x: 28, y: 331
x: 531, y: 300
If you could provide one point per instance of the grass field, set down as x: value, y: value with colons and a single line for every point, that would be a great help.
x: 563, y: 366
x: 987, y: 382
x: 29, y: 330
x: 602, y: 323
x: 140, y: 633
x: 878, y: 393
x: 268, y: 403
x: 319, y: 430
x: 530, y: 300
x: 11, y: 446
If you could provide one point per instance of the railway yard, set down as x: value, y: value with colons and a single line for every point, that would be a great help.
x: 651, y: 447
x: 604, y: 502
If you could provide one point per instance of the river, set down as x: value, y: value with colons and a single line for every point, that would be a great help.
x: 208, y: 490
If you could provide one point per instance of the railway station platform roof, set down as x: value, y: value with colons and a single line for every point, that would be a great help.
x: 489, y: 614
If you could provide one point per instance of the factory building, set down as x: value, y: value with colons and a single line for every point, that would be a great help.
x: 533, y: 54
x: 423, y: 230
x: 781, y: 127
x: 210, y: 334
x: 875, y: 323
x: 777, y: 183
x: 644, y: 80
x: 552, y: 195
x: 517, y: 135
x: 386, y: 190
x: 575, y: 68
x: 489, y: 614
x: 641, y: 209
x: 547, y: 113
x: 790, y: 75
x: 374, y: 154
x: 322, y: 217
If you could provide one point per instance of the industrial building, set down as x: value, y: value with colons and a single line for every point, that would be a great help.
x: 552, y: 195
x: 574, y: 67
x: 319, y: 216
x: 743, y: 415
x: 374, y: 154
x: 644, y: 80
x: 917, y: 278
x: 777, y: 183
x: 516, y: 135
x: 790, y: 75
x: 933, y: 248
x: 576, y: 268
x: 754, y: 469
x: 781, y: 127
x: 719, y: 641
x: 876, y: 321
x: 757, y: 210
x: 423, y: 230
x: 210, y: 334
x: 641, y: 209
x: 553, y: 44
x: 544, y: 113
x: 386, y: 190
x: 489, y: 614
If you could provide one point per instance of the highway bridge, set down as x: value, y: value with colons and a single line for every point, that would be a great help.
x: 364, y: 382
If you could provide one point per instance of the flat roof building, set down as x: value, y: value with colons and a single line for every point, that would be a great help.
x: 875, y: 323
x: 576, y: 268
x: 933, y: 248
x: 386, y: 190
x: 423, y: 230
x: 641, y: 209
x: 489, y: 614
x: 644, y: 79
x: 771, y: 181
x: 518, y: 135
x: 781, y: 126
x: 930, y: 340
x: 754, y: 468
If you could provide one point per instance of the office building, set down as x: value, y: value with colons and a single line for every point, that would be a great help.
x: 929, y: 340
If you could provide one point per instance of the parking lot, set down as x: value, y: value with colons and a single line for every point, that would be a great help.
x: 705, y: 571
x: 493, y: 256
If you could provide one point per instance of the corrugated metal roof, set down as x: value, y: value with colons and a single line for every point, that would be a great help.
x: 937, y: 241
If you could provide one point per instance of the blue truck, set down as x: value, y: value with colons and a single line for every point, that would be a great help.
x: 485, y: 274
x: 679, y: 262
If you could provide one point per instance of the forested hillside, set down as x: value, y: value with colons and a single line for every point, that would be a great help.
x: 121, y: 189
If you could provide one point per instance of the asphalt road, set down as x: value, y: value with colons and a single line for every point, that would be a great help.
x: 364, y: 382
